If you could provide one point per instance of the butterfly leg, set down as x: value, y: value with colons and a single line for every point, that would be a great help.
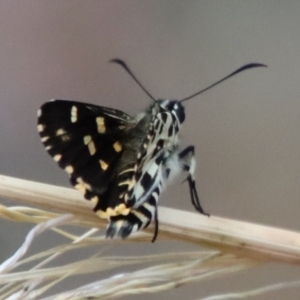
x: 187, y: 158
x: 156, y: 225
x: 137, y: 219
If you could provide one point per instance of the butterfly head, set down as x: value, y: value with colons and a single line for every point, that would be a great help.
x: 172, y: 106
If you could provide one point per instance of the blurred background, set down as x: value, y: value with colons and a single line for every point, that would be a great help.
x: 246, y: 130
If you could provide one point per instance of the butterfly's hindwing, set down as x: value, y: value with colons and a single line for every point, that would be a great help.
x: 86, y: 141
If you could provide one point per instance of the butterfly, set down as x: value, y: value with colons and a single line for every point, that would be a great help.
x: 120, y: 162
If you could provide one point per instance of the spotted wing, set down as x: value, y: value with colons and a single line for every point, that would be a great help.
x: 87, y: 142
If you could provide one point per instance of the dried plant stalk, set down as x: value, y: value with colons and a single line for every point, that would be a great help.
x: 229, y: 235
x: 239, y: 245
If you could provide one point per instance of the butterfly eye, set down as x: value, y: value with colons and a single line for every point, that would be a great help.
x: 180, y: 112
x: 178, y: 109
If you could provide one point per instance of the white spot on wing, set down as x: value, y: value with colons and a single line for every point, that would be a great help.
x: 87, y: 139
x: 95, y: 200
x: 103, y: 164
x: 69, y: 169
x: 100, y: 125
x: 92, y: 148
x: 117, y: 146
x: 40, y: 127
x: 60, y: 132
x: 82, y: 186
x: 74, y: 114
x: 91, y: 145
x: 57, y: 157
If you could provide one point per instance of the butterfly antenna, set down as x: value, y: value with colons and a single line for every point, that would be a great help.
x: 241, y: 69
x: 124, y: 65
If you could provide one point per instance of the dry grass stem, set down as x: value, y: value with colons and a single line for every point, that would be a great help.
x: 236, y: 246
x: 255, y: 292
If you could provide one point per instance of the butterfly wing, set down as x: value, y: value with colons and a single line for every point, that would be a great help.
x: 87, y: 142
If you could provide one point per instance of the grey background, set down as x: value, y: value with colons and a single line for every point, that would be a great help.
x: 246, y: 131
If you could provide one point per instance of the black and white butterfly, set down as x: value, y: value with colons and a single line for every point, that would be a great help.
x: 119, y: 162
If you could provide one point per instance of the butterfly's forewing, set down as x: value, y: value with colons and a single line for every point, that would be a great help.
x: 87, y: 142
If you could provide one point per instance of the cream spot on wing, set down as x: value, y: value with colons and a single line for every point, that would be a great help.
x: 111, y: 212
x: 82, y: 186
x: 65, y: 137
x: 91, y: 145
x: 87, y: 139
x: 40, y: 127
x: 74, y: 114
x: 45, y: 139
x: 69, y: 169
x: 125, y: 212
x: 48, y: 148
x: 95, y: 200
x: 92, y: 148
x: 57, y: 157
x: 100, y: 125
x: 60, y: 132
x: 102, y: 214
x: 103, y: 164
x: 122, y: 209
x: 39, y: 113
x: 117, y: 146
x: 79, y: 180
